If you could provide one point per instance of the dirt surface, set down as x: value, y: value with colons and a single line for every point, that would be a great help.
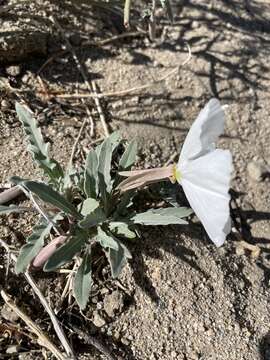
x: 179, y: 297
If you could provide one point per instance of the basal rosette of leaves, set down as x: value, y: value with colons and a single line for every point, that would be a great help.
x: 82, y: 208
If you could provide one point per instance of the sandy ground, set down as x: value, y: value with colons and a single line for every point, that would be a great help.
x: 181, y: 298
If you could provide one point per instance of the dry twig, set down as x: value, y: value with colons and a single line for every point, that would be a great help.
x: 91, y: 86
x: 43, y: 339
x: 131, y: 90
x: 94, y: 342
x: 58, y: 329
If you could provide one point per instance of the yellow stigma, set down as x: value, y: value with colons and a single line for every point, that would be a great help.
x: 176, y: 174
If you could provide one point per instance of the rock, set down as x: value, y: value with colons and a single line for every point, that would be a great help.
x: 13, y: 70
x: 256, y: 170
x: 5, y: 105
x: 98, y: 319
x: 113, y: 303
x: 13, y: 349
x: 125, y: 341
x: 8, y: 314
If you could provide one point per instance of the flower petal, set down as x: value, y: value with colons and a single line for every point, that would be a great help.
x: 206, y: 182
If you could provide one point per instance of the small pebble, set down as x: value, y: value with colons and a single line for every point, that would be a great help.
x: 13, y: 349
x: 13, y: 70
x: 8, y: 314
x: 256, y: 171
x: 98, y: 320
x: 113, y: 303
x: 5, y: 105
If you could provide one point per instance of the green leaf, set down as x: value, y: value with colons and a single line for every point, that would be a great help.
x: 118, y: 258
x: 83, y: 281
x: 4, y: 210
x: 162, y: 216
x: 122, y: 229
x: 96, y: 217
x: 37, y: 147
x: 33, y: 245
x: 91, y: 175
x: 104, y: 167
x: 107, y: 240
x: 72, y: 176
x: 67, y: 251
x: 88, y: 206
x: 129, y: 156
x: 47, y: 194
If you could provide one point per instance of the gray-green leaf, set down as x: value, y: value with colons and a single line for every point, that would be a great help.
x: 88, y: 206
x: 129, y: 156
x: 94, y: 218
x: 104, y: 167
x: 33, y: 245
x: 122, y: 229
x: 107, y: 240
x: 47, y: 194
x: 118, y: 258
x: 162, y: 216
x: 67, y: 251
x: 83, y: 281
x: 91, y: 175
x: 37, y: 147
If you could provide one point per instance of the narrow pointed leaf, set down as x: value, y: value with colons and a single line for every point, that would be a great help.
x: 33, y: 245
x: 83, y: 281
x: 47, y: 194
x: 162, y: 216
x: 91, y: 175
x: 104, y: 167
x: 37, y: 147
x: 129, y: 157
x: 67, y: 251
x: 118, y: 259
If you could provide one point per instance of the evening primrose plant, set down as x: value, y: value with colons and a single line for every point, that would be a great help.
x: 203, y: 171
x: 82, y: 209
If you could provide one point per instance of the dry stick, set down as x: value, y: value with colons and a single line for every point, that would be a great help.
x: 91, y: 86
x: 93, y: 341
x: 76, y: 143
x: 58, y: 329
x: 42, y: 213
x: 128, y: 91
x: 152, y: 21
x: 93, y: 43
x: 127, y: 13
x: 43, y: 339
x: 172, y: 158
x: 116, y: 37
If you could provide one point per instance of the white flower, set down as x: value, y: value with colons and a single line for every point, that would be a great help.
x: 203, y: 171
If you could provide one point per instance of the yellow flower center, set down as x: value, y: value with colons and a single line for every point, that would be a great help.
x: 176, y: 174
